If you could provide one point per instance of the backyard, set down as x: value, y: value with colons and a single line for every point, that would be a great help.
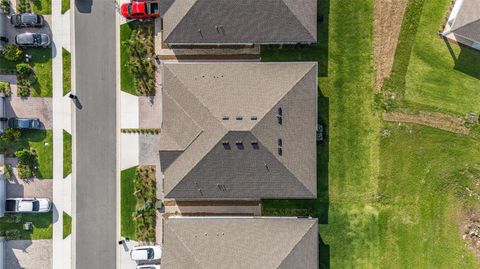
x: 390, y: 195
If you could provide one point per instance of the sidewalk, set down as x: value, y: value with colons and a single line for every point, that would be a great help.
x: 62, y: 119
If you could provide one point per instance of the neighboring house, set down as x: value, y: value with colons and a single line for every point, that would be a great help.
x: 464, y: 23
x: 3, y: 29
x: 235, y: 243
x: 239, y: 130
x: 240, y: 22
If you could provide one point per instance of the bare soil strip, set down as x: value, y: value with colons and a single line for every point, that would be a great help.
x: 432, y: 119
x: 387, y: 24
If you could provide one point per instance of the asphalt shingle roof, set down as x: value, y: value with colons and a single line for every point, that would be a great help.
x: 241, y: 22
x: 467, y: 21
x: 240, y: 243
x: 220, y: 131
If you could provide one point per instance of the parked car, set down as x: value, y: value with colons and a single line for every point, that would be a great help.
x: 149, y: 266
x: 24, y: 123
x: 27, y: 20
x: 27, y: 205
x: 140, y: 10
x: 145, y: 253
x: 33, y: 40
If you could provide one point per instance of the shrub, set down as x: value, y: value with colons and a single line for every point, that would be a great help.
x: 13, y: 218
x: 13, y: 234
x: 5, y: 88
x: 5, y: 6
x: 12, y: 52
x: 24, y: 86
x: 23, y: 6
x: 27, y: 163
x: 11, y: 135
x: 23, y: 69
x: 7, y: 174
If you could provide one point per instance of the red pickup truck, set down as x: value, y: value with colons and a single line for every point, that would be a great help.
x: 140, y: 10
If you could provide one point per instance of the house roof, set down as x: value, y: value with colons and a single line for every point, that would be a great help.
x: 237, y: 243
x: 220, y: 131
x: 240, y: 22
x: 467, y: 21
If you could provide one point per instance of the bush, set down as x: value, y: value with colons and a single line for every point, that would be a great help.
x: 12, y: 52
x: 5, y: 6
x: 11, y: 135
x: 23, y: 89
x: 7, y: 174
x: 5, y: 88
x: 13, y: 234
x: 23, y: 69
x: 27, y: 163
x: 23, y: 6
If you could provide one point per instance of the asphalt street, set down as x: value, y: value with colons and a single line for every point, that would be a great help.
x: 95, y: 130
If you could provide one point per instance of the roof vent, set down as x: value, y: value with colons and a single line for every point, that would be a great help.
x: 279, y: 119
x: 280, y: 151
x: 225, y: 118
x: 280, y: 142
x: 255, y: 145
x: 280, y: 111
x: 253, y: 118
x: 239, y: 118
x: 226, y: 145
x: 222, y: 187
x: 239, y: 144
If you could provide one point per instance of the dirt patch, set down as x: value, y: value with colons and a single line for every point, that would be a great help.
x: 387, y: 24
x: 432, y: 119
x: 470, y: 228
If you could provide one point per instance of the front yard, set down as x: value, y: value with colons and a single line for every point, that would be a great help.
x: 41, y: 142
x: 11, y: 225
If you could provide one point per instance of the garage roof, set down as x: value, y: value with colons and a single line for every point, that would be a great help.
x: 467, y: 21
x: 241, y: 22
x: 234, y: 243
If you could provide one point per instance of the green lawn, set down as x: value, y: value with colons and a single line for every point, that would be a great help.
x: 67, y: 70
x: 126, y: 77
x: 65, y: 6
x: 430, y: 72
x: 42, y: 6
x: 42, y: 225
x: 42, y: 64
x: 67, y: 154
x: 422, y: 194
x: 128, y: 203
x: 67, y: 225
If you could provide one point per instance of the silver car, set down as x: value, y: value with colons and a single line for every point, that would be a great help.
x: 27, y: 20
x: 33, y: 40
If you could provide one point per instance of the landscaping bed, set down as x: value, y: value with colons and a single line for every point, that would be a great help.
x: 67, y: 71
x: 67, y: 225
x: 137, y: 58
x: 11, y: 226
x: 67, y: 154
x: 36, y: 6
x: 138, y: 198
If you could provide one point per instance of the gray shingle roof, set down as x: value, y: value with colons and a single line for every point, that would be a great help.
x: 203, y: 155
x: 240, y: 243
x: 467, y: 21
x: 241, y: 22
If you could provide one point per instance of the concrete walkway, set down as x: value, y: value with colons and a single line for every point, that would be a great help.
x: 62, y: 119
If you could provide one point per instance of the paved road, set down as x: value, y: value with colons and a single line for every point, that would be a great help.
x: 95, y: 129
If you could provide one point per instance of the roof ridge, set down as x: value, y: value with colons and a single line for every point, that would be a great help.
x: 188, y: 250
x: 303, y: 23
x: 296, y: 244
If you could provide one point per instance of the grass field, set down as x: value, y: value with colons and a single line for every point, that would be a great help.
x: 65, y: 6
x: 67, y: 154
x: 67, y: 71
x: 42, y: 225
x: 397, y: 201
x: 128, y: 203
x: 67, y: 225
x: 126, y: 77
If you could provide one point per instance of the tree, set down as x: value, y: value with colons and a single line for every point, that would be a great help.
x: 11, y: 135
x: 12, y: 52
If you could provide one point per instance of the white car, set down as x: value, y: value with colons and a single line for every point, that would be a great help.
x: 145, y: 253
x: 148, y: 266
x: 27, y: 205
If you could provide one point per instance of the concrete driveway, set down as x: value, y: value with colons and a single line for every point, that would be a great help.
x: 27, y: 107
x: 12, y: 31
x: 28, y: 254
